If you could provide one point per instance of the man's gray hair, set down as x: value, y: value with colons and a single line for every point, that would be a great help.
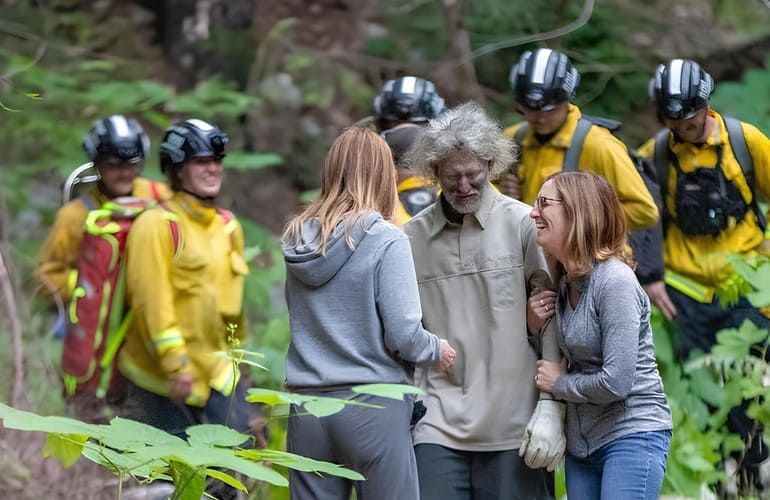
x: 466, y: 127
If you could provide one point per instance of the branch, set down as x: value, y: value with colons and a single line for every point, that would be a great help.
x: 7, y: 293
x: 14, y: 30
x: 17, y: 395
x: 585, y: 16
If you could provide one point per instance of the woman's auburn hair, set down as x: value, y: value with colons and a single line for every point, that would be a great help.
x: 358, y: 177
x: 596, y: 222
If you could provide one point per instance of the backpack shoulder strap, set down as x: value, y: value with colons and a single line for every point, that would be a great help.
x: 155, y: 191
x: 572, y: 155
x: 743, y: 155
x: 173, y: 227
x: 230, y: 224
x: 521, y: 132
x: 660, y: 157
x: 740, y: 149
x: 88, y: 202
x: 226, y: 215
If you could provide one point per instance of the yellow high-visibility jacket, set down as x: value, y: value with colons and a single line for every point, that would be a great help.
x: 57, y: 263
x: 703, y: 258
x: 602, y: 154
x: 414, y: 192
x: 183, y: 299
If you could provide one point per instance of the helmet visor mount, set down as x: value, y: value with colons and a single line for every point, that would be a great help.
x: 208, y: 147
x: 677, y: 109
x: 120, y: 154
x: 540, y: 100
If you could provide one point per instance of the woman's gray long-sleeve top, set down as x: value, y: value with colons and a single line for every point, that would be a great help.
x: 613, y: 387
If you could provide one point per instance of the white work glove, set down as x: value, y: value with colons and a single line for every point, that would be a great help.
x: 543, y: 442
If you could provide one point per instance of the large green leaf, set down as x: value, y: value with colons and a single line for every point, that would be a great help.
x: 200, y: 456
x: 28, y: 421
x: 319, y: 406
x: 298, y: 462
x: 735, y: 344
x: 66, y: 449
x: 324, y: 407
x: 759, y: 299
x: 214, y: 435
x: 189, y: 482
x: 122, y: 463
x: 271, y: 397
x: 126, y: 434
x: 227, y: 479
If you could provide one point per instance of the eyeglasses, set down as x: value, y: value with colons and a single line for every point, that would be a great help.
x: 541, y: 202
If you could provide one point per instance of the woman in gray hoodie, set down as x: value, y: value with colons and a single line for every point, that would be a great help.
x: 355, y: 319
x: 618, y: 421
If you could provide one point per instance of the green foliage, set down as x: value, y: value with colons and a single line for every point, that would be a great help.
x: 415, y: 32
x: 702, y: 392
x: 129, y: 448
x: 744, y: 99
x: 240, y: 160
x: 214, y: 97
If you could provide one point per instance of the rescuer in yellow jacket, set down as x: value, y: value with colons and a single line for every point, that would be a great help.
x: 118, y: 147
x: 415, y: 192
x: 544, y: 82
x: 401, y: 108
x: 710, y: 212
x: 185, y: 291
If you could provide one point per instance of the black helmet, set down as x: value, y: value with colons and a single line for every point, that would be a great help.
x: 117, y: 139
x: 680, y: 88
x: 543, y: 78
x: 409, y: 98
x: 191, y: 139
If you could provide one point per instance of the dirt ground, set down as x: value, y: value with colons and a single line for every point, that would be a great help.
x: 27, y: 475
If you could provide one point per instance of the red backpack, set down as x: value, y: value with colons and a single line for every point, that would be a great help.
x: 96, y: 319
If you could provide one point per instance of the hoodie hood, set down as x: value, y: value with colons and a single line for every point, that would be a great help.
x: 305, y: 263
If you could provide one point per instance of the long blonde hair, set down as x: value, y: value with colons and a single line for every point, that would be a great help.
x: 358, y: 177
x: 597, y: 228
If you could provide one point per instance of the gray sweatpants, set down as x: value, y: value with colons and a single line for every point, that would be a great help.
x: 374, y: 442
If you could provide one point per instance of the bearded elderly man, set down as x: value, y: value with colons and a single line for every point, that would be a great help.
x: 477, y: 262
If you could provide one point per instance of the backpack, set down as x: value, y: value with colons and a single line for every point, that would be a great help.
x: 96, y: 321
x: 663, y: 157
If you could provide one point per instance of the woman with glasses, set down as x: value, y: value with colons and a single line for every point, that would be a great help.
x: 618, y: 421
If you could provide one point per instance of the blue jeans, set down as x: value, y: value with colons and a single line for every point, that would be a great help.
x: 630, y: 467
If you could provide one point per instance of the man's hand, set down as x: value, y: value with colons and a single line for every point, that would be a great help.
x: 543, y: 443
x: 658, y: 295
x: 181, y: 386
x: 447, y: 357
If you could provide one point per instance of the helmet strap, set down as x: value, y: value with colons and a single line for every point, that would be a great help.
x: 206, y: 200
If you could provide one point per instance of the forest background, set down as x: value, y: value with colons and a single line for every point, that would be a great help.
x: 282, y: 78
